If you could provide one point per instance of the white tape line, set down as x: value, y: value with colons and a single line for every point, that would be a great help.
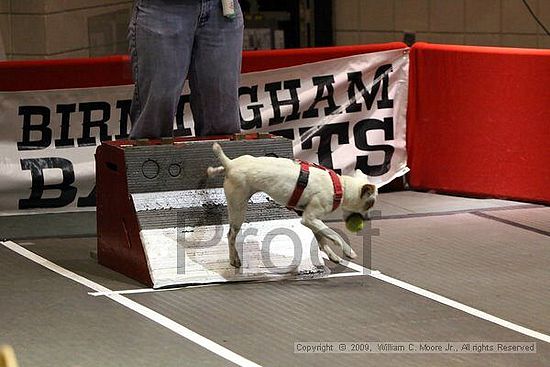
x: 134, y: 306
x: 149, y: 290
x: 449, y: 302
x: 132, y: 291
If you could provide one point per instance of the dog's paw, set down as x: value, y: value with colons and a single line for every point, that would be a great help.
x: 236, y: 263
x: 333, y: 257
x: 351, y: 254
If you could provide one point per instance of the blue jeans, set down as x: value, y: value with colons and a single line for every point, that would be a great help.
x: 174, y: 39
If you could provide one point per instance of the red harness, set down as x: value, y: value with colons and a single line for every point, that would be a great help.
x: 303, y: 179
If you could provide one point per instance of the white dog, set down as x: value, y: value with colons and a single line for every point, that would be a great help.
x: 311, y: 188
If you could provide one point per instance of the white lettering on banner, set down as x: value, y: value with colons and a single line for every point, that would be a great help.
x: 346, y: 114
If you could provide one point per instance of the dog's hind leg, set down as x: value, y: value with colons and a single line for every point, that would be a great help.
x: 236, y: 207
x: 234, y: 258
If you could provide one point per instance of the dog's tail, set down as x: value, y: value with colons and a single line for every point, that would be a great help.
x: 225, y: 161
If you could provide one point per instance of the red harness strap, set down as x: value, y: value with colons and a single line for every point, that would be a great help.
x: 303, y: 179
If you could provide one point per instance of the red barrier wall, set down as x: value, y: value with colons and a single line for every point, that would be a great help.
x: 479, y: 121
x: 115, y: 70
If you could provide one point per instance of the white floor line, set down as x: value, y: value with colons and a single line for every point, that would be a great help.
x: 133, y: 291
x: 152, y: 290
x: 345, y: 275
x: 447, y: 301
x: 149, y: 290
x: 134, y: 306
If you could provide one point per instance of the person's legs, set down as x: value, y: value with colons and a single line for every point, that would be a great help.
x: 161, y: 36
x: 215, y: 71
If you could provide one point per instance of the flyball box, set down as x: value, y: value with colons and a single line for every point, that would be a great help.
x: 162, y: 221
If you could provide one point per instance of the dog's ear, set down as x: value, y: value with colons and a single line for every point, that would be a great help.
x: 368, y: 189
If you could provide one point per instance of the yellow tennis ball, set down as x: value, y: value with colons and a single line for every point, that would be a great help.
x: 355, y: 223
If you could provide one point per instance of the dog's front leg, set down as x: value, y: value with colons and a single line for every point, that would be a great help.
x: 324, y: 246
x: 323, y: 233
x: 331, y: 235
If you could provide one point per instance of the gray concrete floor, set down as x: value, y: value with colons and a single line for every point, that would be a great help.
x: 491, y: 255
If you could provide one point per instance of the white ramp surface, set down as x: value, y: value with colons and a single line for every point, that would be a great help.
x: 270, y: 249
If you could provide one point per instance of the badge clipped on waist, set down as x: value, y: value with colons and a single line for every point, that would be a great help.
x: 228, y: 7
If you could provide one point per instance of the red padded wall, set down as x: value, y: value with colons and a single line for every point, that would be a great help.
x: 479, y: 121
x: 115, y: 70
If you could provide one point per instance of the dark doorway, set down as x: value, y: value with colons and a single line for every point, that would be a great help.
x: 287, y: 23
